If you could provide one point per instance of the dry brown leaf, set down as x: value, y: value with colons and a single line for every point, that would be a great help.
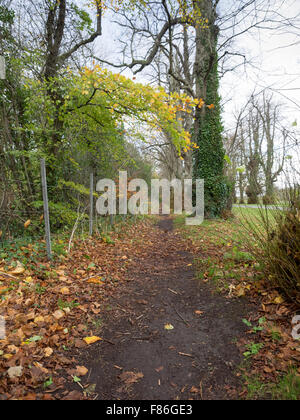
x: 131, y: 377
x: 18, y: 270
x: 81, y: 370
x: 65, y: 291
x: 15, y: 372
x: 48, y: 352
x: 59, y: 314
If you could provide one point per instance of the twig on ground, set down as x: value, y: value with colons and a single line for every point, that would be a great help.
x: 126, y: 309
x: 8, y: 275
x: 142, y: 338
x: 173, y: 291
x: 108, y: 341
x: 185, y: 354
x: 180, y: 316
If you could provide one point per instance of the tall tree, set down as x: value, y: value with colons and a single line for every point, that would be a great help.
x: 199, y: 35
x: 209, y: 157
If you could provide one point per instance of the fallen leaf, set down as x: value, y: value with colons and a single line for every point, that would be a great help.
x: 29, y: 397
x: 39, y: 320
x: 279, y: 300
x: 81, y: 370
x: 15, y: 372
x: 240, y: 291
x: 79, y: 344
x: 59, y: 314
x: 41, y: 367
x: 92, y: 340
x: 48, y: 352
x: 96, y: 280
x: 3, y: 290
x: 131, y: 377
x: 27, y: 224
x: 169, y: 327
x: 18, y: 270
x: 72, y: 396
x: 65, y: 291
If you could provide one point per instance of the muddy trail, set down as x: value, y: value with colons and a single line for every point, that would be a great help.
x: 142, y: 360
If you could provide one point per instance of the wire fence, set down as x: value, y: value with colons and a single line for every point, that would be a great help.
x: 21, y: 221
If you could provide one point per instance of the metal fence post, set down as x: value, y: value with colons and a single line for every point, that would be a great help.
x: 46, y: 208
x: 112, y: 218
x: 91, y: 203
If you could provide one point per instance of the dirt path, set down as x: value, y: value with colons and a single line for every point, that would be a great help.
x: 197, y: 359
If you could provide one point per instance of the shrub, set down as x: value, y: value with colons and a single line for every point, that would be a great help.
x: 278, y: 237
x: 267, y: 200
x: 284, y: 254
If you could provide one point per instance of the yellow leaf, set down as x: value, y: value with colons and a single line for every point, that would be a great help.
x: 26, y: 224
x: 65, y: 291
x: 92, y: 340
x: 8, y: 356
x: 3, y: 290
x: 96, y: 280
x: 169, y: 327
x: 279, y: 300
x: 39, y: 319
x: 240, y: 291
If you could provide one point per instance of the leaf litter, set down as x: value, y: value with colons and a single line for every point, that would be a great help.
x: 49, y: 310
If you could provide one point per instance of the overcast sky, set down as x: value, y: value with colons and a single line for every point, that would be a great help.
x: 276, y: 65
